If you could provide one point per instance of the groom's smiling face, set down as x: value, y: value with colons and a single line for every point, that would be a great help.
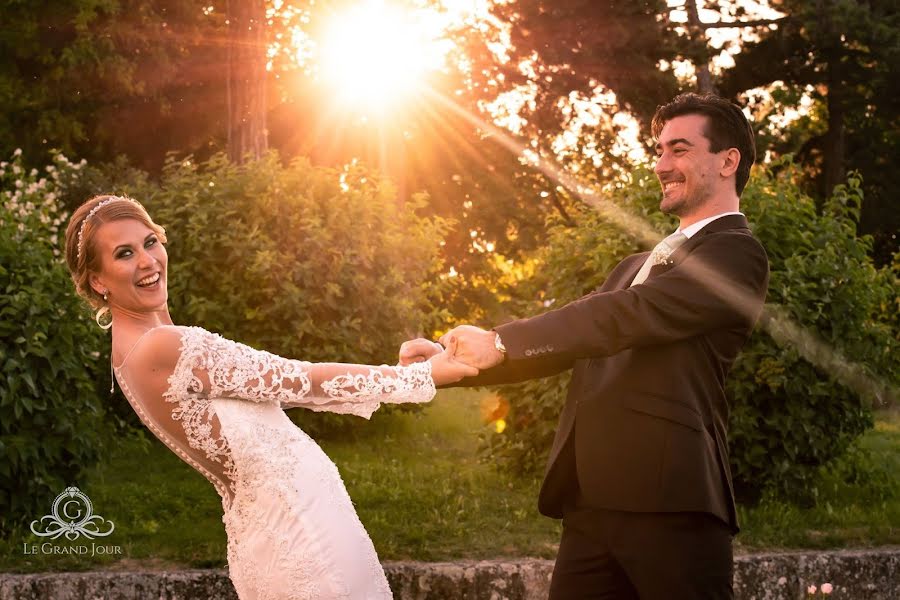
x: 133, y: 263
x: 688, y: 172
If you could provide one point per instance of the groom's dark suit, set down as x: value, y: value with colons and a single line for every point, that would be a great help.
x: 643, y: 429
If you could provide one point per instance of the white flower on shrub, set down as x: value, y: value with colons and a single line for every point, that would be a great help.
x: 30, y: 206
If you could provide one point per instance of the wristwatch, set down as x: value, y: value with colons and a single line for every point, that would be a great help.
x: 498, y: 344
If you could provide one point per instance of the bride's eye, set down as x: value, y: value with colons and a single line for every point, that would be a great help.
x: 150, y: 242
x: 123, y: 253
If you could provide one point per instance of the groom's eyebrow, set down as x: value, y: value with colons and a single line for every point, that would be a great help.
x: 670, y: 143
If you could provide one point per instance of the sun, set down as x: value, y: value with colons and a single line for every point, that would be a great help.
x: 376, y: 56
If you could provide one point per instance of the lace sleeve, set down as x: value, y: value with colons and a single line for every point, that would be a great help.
x: 209, y: 364
x: 361, y: 389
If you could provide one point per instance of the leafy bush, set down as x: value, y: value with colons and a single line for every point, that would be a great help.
x: 306, y: 262
x: 789, y: 416
x: 54, y: 360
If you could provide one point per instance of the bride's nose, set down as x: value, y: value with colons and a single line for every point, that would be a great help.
x: 145, y: 259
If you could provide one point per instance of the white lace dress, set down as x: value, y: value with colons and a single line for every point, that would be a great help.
x: 292, y: 530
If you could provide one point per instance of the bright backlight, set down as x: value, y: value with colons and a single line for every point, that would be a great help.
x: 375, y: 55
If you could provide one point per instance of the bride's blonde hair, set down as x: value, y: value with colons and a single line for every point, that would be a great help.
x: 81, y: 255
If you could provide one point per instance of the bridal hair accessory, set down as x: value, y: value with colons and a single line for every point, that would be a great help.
x: 91, y: 214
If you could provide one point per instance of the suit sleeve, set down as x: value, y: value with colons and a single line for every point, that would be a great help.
x: 720, y: 284
x: 515, y: 370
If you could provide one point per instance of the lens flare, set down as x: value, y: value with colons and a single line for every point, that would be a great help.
x: 376, y: 55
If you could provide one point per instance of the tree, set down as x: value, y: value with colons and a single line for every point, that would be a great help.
x: 572, y: 45
x: 247, y: 24
x: 846, y: 50
x: 98, y: 79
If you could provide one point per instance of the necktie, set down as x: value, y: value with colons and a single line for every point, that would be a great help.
x: 659, y: 255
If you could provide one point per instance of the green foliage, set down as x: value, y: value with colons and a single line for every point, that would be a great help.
x: 789, y: 416
x: 74, y: 71
x: 571, y: 45
x: 843, y: 54
x: 53, y: 423
x: 306, y: 262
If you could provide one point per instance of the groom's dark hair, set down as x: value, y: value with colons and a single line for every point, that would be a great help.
x: 727, y: 127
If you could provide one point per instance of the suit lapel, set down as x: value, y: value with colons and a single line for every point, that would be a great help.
x: 720, y: 224
x: 628, y: 271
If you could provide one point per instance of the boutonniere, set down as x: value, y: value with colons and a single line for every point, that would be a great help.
x: 660, y: 255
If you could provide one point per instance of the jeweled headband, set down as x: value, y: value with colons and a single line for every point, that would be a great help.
x: 91, y: 214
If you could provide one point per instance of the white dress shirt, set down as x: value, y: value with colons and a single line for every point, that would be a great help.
x: 690, y: 230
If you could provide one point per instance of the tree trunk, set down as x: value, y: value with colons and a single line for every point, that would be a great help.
x: 247, y: 134
x: 833, y: 167
x: 698, y: 34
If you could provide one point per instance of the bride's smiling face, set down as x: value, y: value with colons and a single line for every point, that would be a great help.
x: 133, y: 265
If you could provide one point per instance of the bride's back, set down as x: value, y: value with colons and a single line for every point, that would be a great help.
x: 169, y: 399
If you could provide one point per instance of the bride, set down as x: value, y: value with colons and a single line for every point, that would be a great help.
x: 292, y: 530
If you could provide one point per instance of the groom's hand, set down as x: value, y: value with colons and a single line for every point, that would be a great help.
x: 418, y: 350
x: 474, y: 346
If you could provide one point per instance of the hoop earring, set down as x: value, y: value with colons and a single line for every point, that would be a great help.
x: 103, y: 310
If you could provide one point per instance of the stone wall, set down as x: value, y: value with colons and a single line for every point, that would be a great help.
x: 849, y: 575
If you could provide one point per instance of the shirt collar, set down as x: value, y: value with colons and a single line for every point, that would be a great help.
x: 690, y: 230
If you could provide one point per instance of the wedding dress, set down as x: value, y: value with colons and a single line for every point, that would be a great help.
x: 292, y: 530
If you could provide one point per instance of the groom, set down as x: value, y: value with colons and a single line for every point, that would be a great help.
x: 639, y: 469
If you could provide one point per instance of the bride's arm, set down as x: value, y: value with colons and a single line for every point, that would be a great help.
x: 207, y: 364
x: 360, y: 389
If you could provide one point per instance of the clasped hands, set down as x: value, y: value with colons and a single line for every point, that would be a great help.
x: 466, y: 349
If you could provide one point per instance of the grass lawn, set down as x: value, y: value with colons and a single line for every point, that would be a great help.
x: 864, y: 513
x: 423, y: 494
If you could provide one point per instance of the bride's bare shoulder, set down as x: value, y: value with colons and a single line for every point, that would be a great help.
x: 162, y: 346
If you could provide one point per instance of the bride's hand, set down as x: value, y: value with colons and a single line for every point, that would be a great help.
x: 446, y: 369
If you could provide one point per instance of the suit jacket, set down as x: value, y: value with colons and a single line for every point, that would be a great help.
x: 645, y: 419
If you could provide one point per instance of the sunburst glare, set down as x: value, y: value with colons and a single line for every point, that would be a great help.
x: 377, y: 55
